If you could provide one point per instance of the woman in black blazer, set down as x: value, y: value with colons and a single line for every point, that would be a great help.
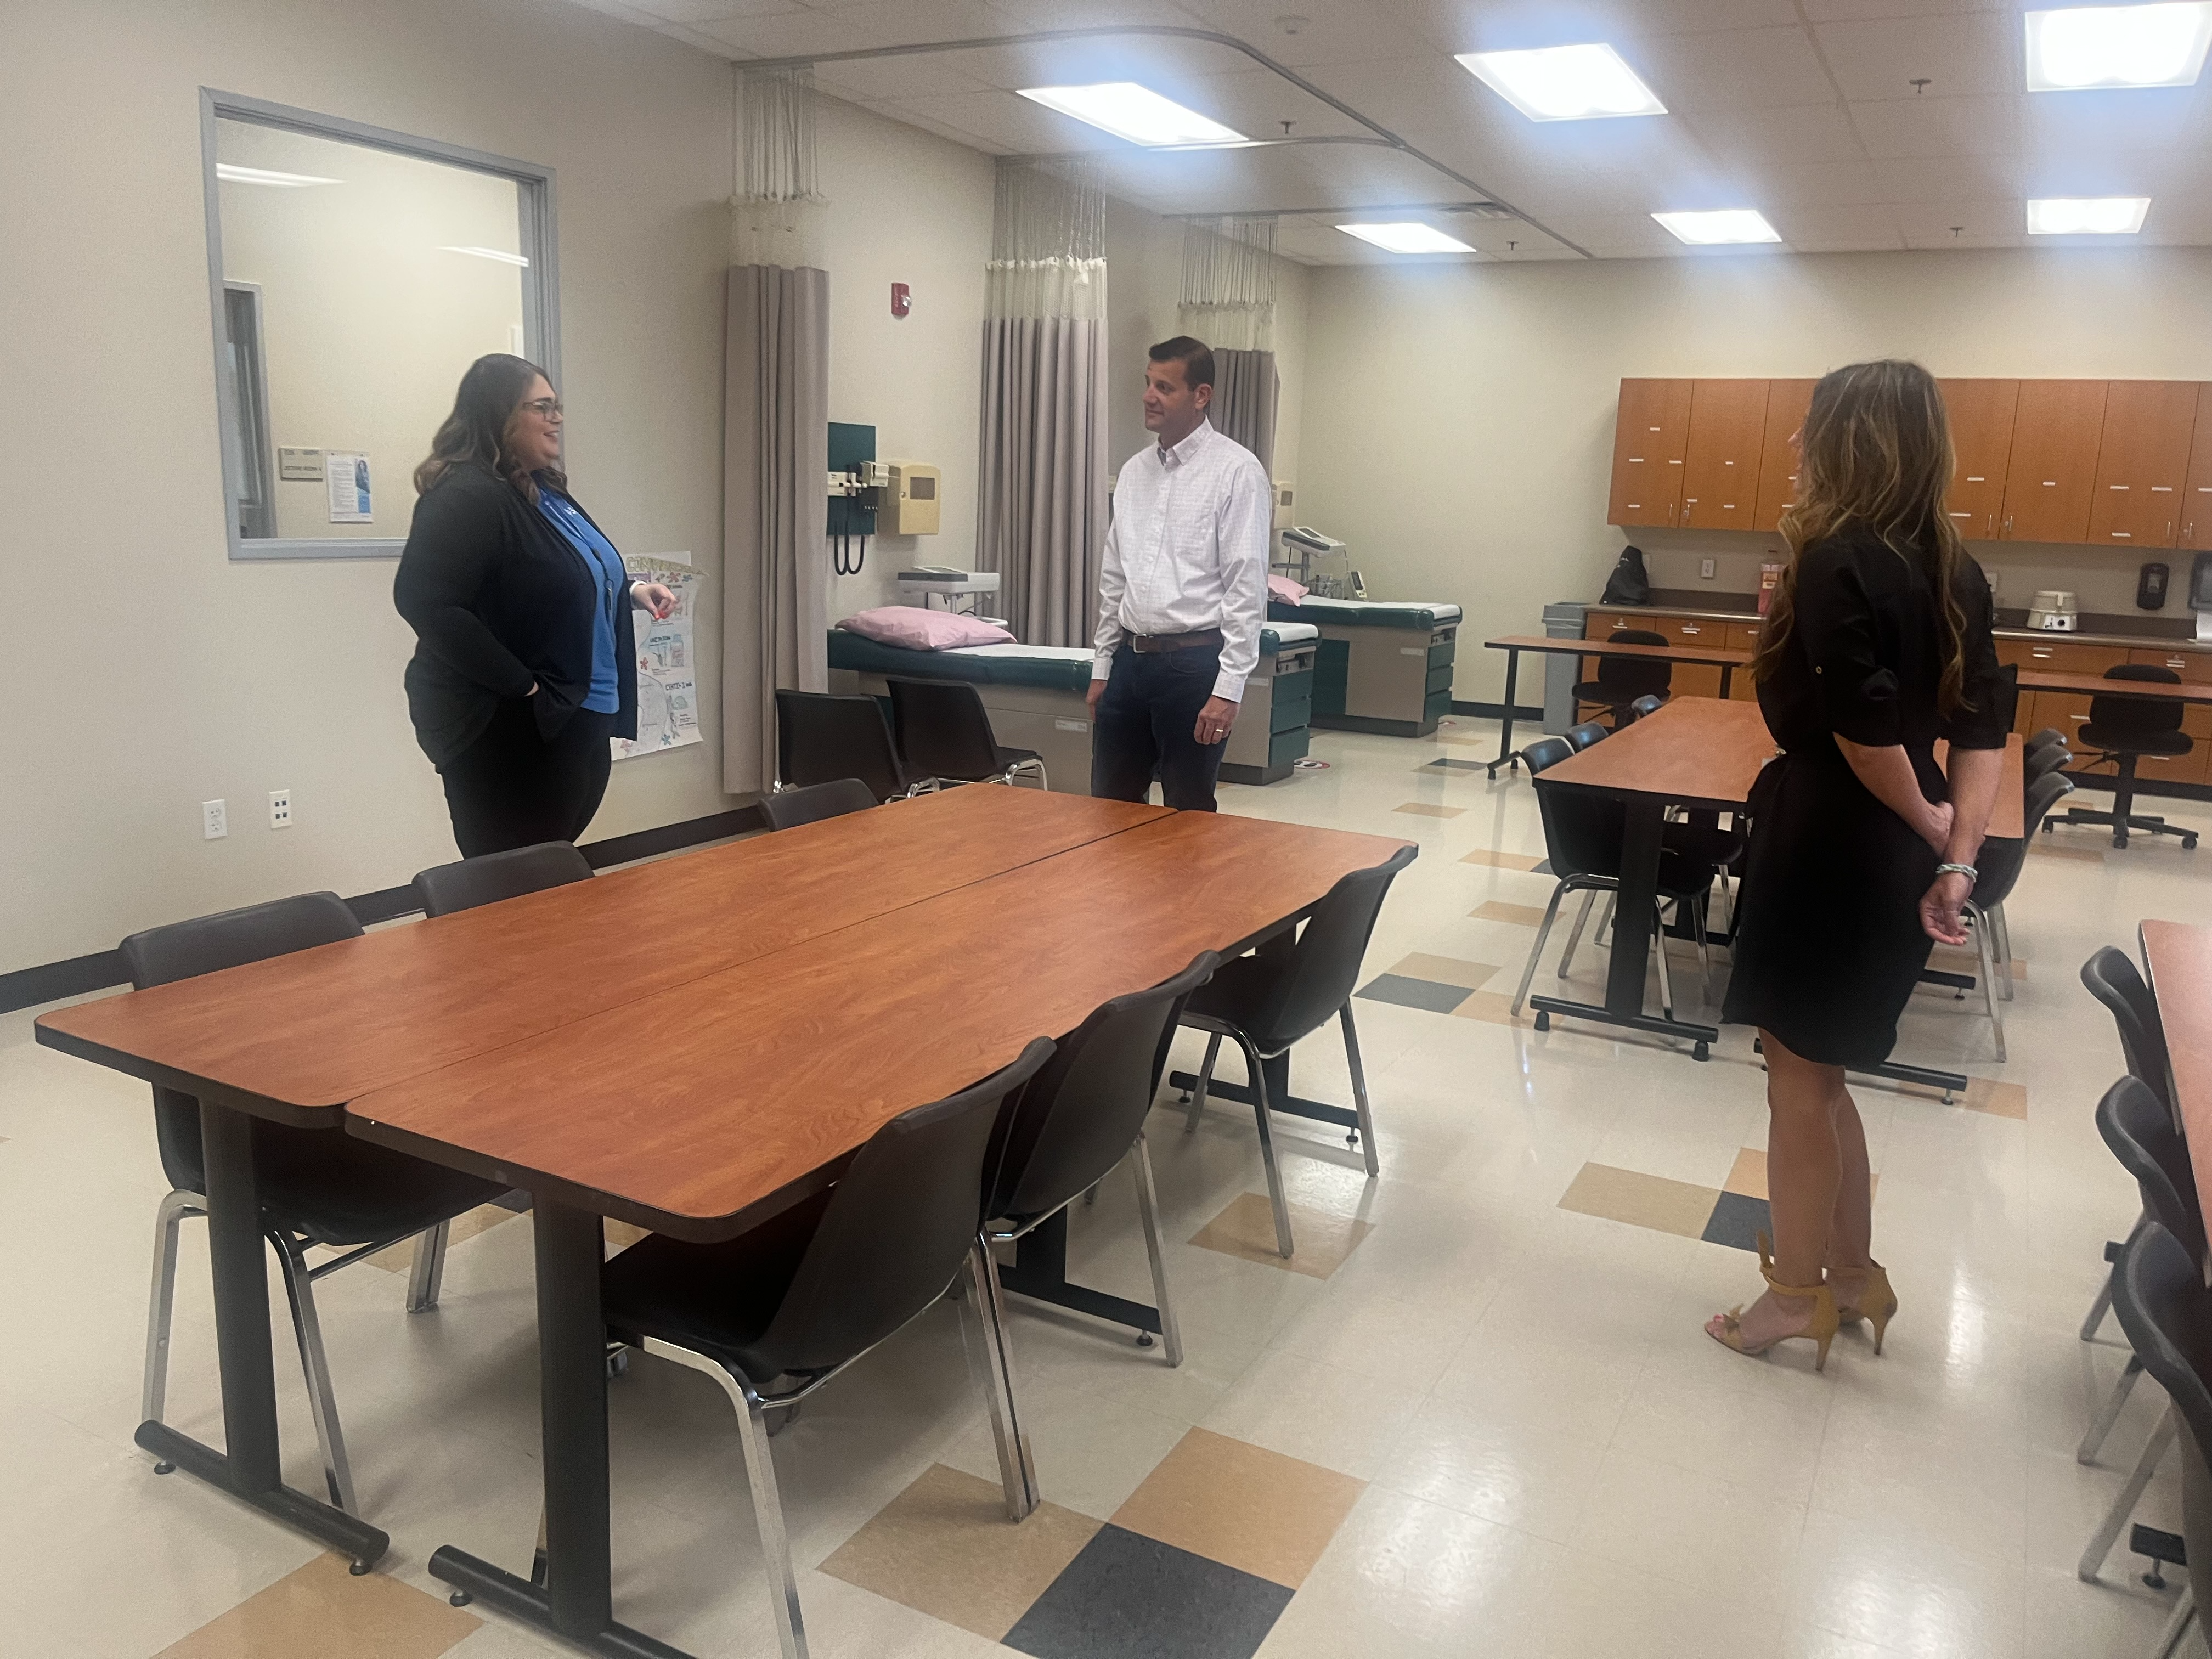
x: 525, y: 661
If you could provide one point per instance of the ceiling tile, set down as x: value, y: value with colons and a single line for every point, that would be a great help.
x: 708, y: 11
x: 1806, y: 132
x: 1738, y: 68
x: 1981, y: 54
x: 911, y: 118
x: 1835, y: 11
x: 1090, y: 14
x: 2069, y: 122
x: 1815, y: 184
x: 1983, y: 224
x: 1955, y: 178
x: 1906, y: 128
x: 882, y: 23
x: 1864, y: 226
x: 1329, y: 31
x: 1093, y: 58
x: 930, y: 75
x: 1014, y: 123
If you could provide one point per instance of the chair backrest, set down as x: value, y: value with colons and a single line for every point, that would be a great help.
x: 1078, y: 1116
x: 1580, y: 738
x: 2002, y: 857
x: 1626, y: 678
x: 467, y: 883
x: 820, y: 738
x: 900, y: 1220
x: 2037, y: 760
x: 2159, y: 1294
x: 1583, y: 829
x: 2112, y: 980
x: 2136, y: 1125
x: 206, y: 945
x: 2137, y: 716
x: 787, y: 809
x: 1324, y: 964
x: 2043, y: 794
x: 2048, y: 734
x: 942, y: 729
x: 1649, y: 704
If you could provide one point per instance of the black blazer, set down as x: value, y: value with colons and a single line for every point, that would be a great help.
x: 498, y: 599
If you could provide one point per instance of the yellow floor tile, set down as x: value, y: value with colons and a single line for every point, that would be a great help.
x: 1642, y: 1200
x: 322, y: 1609
x: 1524, y: 915
x: 2044, y: 848
x: 1491, y: 1007
x: 1320, y: 1241
x: 1444, y: 970
x: 1428, y: 810
x: 1748, y: 1177
x: 1243, y: 1506
x: 944, y: 1547
x: 1503, y: 860
x: 1998, y: 1099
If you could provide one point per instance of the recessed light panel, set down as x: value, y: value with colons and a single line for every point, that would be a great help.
x: 1410, y: 236
x: 2091, y: 46
x: 1727, y: 225
x: 231, y: 174
x: 1134, y: 113
x: 1563, y: 83
x: 2087, y: 215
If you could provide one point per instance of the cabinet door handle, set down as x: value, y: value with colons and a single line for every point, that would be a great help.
x: 1689, y: 628
x: 2177, y: 662
x: 2007, y: 529
x: 2041, y: 653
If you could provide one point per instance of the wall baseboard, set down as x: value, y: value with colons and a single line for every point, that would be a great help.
x: 52, y: 982
x: 1495, y: 711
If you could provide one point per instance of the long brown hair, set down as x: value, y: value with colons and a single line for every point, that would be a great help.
x: 1875, y: 456
x: 482, y: 426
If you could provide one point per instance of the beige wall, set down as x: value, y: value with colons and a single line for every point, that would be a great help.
x: 1458, y: 420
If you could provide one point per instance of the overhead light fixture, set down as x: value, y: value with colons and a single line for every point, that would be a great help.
x: 1408, y: 236
x: 504, y: 258
x: 232, y: 174
x: 1726, y: 225
x: 1563, y: 83
x: 1134, y: 113
x: 2087, y: 215
x: 2086, y: 47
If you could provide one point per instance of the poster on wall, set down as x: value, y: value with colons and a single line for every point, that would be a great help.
x: 345, y: 473
x: 667, y: 684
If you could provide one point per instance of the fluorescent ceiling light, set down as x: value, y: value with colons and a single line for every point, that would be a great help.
x: 489, y: 253
x: 1410, y: 236
x: 1134, y: 113
x: 1727, y: 225
x: 2090, y: 46
x: 1563, y: 83
x: 2087, y: 215
x: 231, y: 174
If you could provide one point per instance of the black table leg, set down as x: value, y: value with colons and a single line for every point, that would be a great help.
x: 1039, y: 1272
x: 1506, y: 756
x: 575, y: 1602
x: 1727, y: 669
x: 250, y: 1467
x: 1277, y: 1072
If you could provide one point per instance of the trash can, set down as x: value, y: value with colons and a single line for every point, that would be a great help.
x: 1562, y: 621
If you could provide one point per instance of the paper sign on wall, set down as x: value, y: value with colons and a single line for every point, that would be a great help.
x: 667, y: 675
x: 345, y: 472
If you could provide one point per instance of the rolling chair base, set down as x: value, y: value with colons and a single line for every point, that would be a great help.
x: 2123, y: 824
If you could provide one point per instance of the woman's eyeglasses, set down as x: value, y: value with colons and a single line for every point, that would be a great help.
x: 548, y: 407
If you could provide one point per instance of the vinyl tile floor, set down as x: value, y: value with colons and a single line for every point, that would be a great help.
x: 1476, y: 1415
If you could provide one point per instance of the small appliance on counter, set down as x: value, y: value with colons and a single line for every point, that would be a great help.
x: 2054, y: 611
x: 2150, y: 587
x: 2200, y: 596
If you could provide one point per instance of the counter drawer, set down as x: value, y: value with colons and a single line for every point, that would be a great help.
x: 2195, y: 667
x: 2059, y: 657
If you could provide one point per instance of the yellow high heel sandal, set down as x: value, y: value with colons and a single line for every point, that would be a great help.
x: 1821, y: 1332
x: 1877, y: 1302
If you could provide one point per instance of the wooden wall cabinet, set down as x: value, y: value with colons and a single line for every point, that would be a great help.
x: 1786, y: 404
x: 1728, y: 431
x: 2052, y: 472
x: 2197, y: 494
x: 2142, y: 463
x: 1649, y: 441
x: 1981, y: 414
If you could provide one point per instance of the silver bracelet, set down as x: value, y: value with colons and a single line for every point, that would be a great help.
x: 1965, y: 870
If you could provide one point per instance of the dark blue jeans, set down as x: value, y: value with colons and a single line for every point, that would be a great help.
x: 1144, y: 728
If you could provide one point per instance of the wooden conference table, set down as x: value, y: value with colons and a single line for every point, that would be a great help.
x: 1695, y: 752
x: 1514, y: 644
x: 2180, y: 959
x: 690, y: 1046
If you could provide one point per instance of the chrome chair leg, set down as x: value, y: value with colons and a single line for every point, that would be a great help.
x: 2176, y: 1626
x: 1148, y: 1210
x: 322, y: 1401
x: 1704, y: 949
x: 1574, y: 936
x: 161, y: 1299
x: 2109, y: 1413
x: 1019, y: 767
x: 984, y: 1310
x: 1275, y: 1198
x: 2098, y: 1309
x: 1536, y: 950
x: 2108, y: 1529
x: 1204, y: 1076
x: 1603, y: 935
x: 428, y: 1273
x: 1659, y: 938
x: 1359, y: 1090
x: 1977, y: 918
x: 2002, y: 941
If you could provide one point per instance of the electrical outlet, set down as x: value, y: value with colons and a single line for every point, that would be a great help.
x: 1705, y: 569
x: 280, y: 809
x: 215, y: 820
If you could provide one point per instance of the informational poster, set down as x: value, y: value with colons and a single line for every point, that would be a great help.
x: 667, y: 675
x: 345, y: 472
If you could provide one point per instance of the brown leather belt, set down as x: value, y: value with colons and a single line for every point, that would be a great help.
x: 1150, y: 643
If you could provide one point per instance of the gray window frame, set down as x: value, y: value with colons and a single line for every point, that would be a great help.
x: 541, y: 288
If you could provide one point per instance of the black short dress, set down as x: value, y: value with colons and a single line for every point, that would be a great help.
x: 1829, y: 944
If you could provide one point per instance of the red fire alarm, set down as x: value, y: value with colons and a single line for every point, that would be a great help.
x: 902, y: 298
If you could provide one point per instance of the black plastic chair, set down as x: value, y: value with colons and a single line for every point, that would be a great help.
x: 787, y: 809
x: 2037, y: 759
x: 1266, y: 1002
x: 1651, y: 703
x: 318, y: 1187
x: 1582, y: 838
x: 1084, y: 1113
x: 2123, y: 730
x: 811, y: 1289
x: 820, y: 738
x: 2167, y: 1317
x: 2000, y: 860
x: 490, y: 877
x: 1580, y: 738
x: 2047, y: 734
x: 943, y: 731
x: 1621, y: 680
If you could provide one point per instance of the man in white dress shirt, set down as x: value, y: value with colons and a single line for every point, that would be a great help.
x: 1182, y: 593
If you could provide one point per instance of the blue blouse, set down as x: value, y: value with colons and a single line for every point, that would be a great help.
x: 611, y: 581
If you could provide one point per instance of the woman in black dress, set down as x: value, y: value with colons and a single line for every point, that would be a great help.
x: 1861, y: 851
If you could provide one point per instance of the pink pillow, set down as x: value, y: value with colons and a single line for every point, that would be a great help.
x: 918, y: 630
x: 1282, y: 588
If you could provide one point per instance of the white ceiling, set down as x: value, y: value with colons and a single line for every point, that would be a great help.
x: 1803, y: 109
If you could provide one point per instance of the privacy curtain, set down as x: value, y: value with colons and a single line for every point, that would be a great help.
x: 1229, y: 302
x: 1041, y: 498
x: 776, y: 553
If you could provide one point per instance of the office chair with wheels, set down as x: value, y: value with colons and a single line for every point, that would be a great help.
x: 820, y: 738
x: 774, y: 1313
x: 1266, y: 1002
x: 943, y: 732
x: 1621, y: 680
x: 318, y: 1187
x: 2123, y: 730
x: 466, y: 883
x: 787, y: 809
x: 1580, y: 738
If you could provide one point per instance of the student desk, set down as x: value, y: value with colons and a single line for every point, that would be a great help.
x: 1514, y: 644
x: 2180, y: 959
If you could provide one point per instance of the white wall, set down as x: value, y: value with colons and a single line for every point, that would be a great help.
x: 1458, y: 419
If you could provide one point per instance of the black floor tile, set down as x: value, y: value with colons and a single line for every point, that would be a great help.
x: 1738, y: 1221
x: 1411, y: 993
x: 1131, y: 1597
x: 1445, y: 762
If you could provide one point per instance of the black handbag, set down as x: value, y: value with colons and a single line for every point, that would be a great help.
x: 1629, y: 584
